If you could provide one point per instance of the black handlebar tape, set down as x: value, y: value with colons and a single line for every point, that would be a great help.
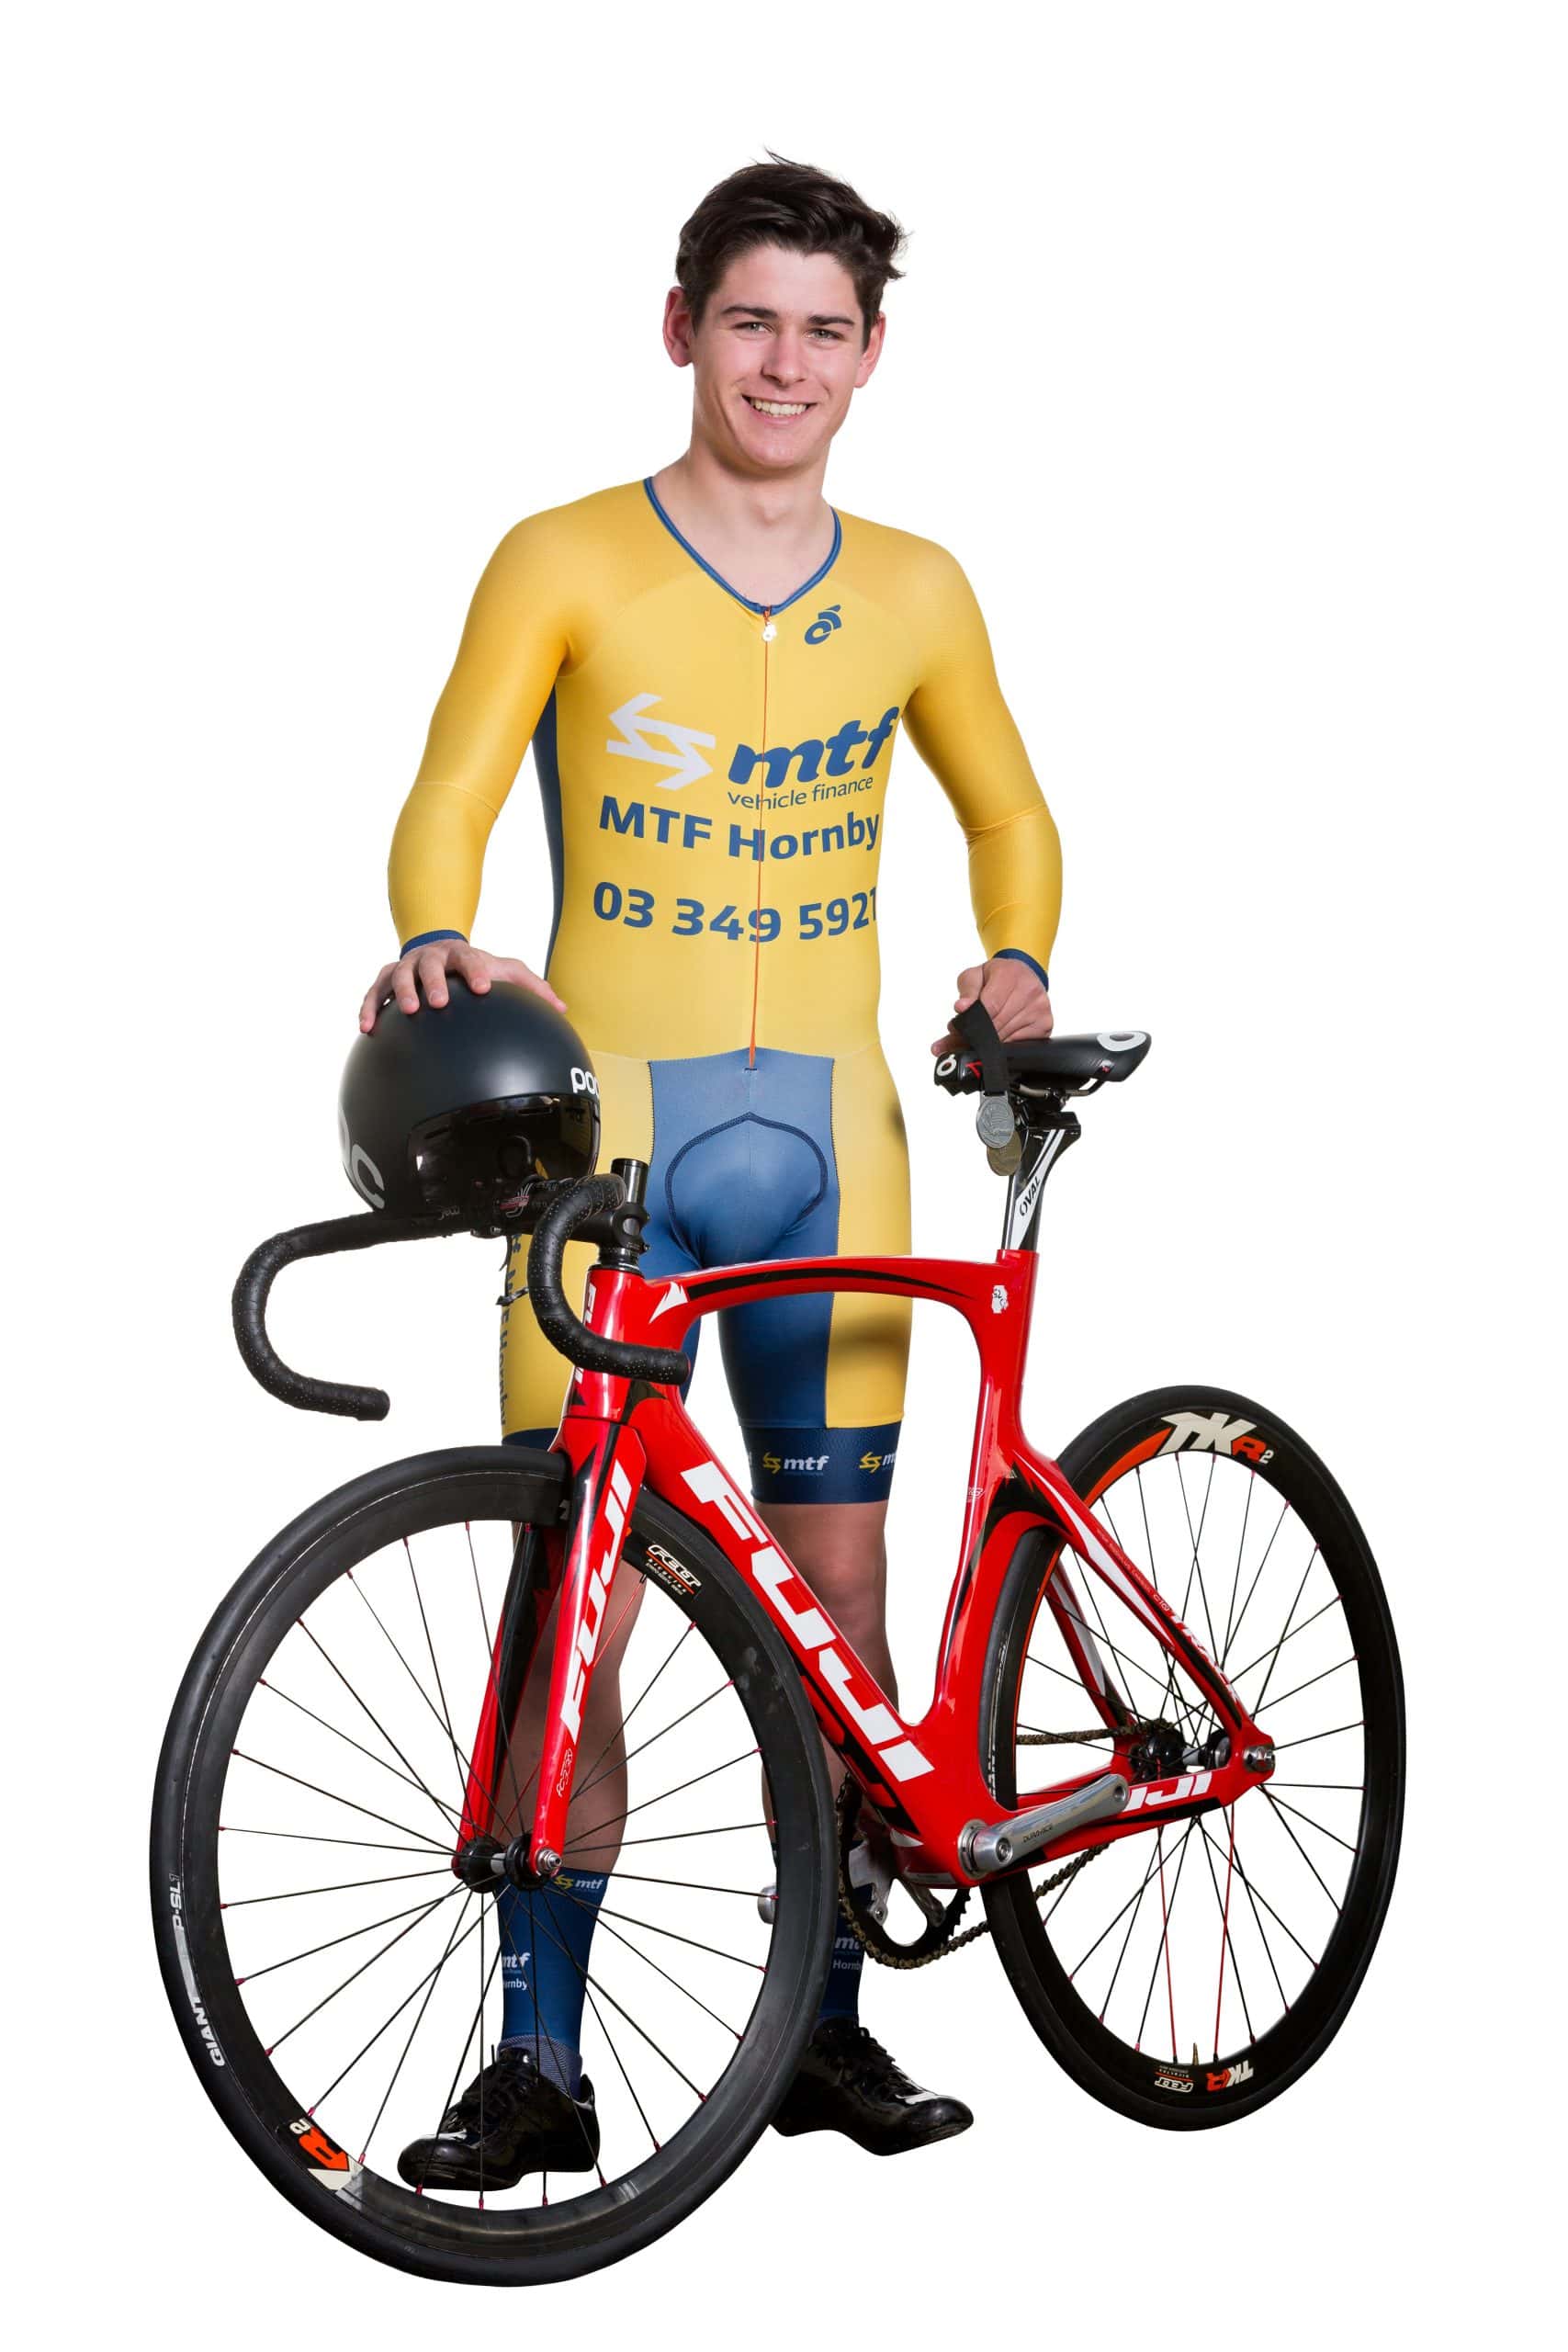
x: 590, y: 1198
x: 257, y: 1275
x: 974, y: 1026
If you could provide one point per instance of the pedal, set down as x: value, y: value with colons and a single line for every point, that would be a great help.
x: 1004, y: 1844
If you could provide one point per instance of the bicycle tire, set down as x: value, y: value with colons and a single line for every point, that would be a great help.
x: 377, y: 2216
x: 1142, y: 2085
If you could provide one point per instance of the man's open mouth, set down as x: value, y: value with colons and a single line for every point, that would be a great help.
x: 777, y: 408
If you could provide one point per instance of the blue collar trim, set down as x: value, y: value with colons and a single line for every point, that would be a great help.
x: 752, y: 605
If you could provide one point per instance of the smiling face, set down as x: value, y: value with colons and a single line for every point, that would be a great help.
x: 777, y: 357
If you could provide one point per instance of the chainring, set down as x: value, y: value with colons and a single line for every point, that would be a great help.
x: 934, y: 1940
x: 938, y: 1939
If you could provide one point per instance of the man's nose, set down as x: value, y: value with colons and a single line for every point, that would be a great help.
x: 786, y: 361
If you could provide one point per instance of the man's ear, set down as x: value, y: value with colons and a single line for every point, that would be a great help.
x: 678, y: 328
x: 873, y: 351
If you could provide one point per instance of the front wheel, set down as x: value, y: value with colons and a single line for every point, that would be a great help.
x: 1188, y: 1975
x: 337, y: 1986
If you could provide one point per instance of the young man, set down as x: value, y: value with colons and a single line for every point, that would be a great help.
x: 712, y: 666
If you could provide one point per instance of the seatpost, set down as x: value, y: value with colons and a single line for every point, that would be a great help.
x: 1043, y: 1137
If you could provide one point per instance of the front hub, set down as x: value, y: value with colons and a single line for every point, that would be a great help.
x: 485, y: 1864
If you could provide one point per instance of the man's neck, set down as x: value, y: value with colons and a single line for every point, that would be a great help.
x: 764, y: 534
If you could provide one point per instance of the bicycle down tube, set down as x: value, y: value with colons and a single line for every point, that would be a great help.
x: 925, y: 1778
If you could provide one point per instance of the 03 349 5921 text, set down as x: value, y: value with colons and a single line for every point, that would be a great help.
x: 689, y: 918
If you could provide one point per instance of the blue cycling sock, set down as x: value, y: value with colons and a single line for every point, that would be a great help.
x: 841, y: 1994
x: 545, y: 1938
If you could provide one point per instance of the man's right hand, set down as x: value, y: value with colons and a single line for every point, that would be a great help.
x: 426, y: 968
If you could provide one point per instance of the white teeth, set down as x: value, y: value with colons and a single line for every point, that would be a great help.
x: 778, y: 408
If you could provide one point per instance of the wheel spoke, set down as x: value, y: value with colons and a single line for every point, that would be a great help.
x: 431, y: 1844
x: 610, y: 2039
x: 1225, y: 1943
x: 1263, y: 1563
x: 343, y: 1886
x: 459, y: 1757
x: 1236, y: 1577
x: 311, y: 1837
x: 1164, y: 1947
x: 652, y: 1736
x: 1282, y: 1807
x: 1106, y: 1930
x: 694, y: 1943
x: 391, y: 1942
x: 1327, y: 1671
x: 410, y: 1911
x: 724, y: 1830
x: 1262, y: 1930
x: 688, y: 1885
x: 744, y: 1758
x: 464, y: 1764
x: 1197, y: 1545
x: 1301, y: 1850
x: 605, y: 1918
x: 1332, y: 1601
x: 589, y: 1979
x: 630, y: 1711
x: 410, y: 1778
x: 1136, y: 1905
x: 1285, y: 1634
x: 1307, y: 1956
x: 427, y: 1983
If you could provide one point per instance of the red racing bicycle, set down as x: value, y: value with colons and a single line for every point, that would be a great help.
x: 1164, y: 1745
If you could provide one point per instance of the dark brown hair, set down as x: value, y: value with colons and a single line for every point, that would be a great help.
x: 796, y: 205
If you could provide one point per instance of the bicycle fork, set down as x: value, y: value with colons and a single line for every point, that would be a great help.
x: 608, y: 1463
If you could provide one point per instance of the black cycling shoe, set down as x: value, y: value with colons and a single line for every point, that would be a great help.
x: 528, y: 2124
x: 846, y: 2082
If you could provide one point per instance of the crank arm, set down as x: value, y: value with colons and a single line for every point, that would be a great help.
x: 985, y: 1849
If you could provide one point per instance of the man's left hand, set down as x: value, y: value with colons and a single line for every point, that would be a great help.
x: 1011, y: 993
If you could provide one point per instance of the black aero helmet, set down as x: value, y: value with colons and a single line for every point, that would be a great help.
x: 452, y: 1111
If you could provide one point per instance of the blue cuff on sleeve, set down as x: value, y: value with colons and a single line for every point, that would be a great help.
x: 428, y: 938
x: 1016, y: 955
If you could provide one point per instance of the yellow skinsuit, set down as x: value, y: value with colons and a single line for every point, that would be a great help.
x: 714, y: 775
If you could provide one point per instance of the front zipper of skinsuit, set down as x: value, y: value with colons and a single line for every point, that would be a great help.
x: 770, y: 631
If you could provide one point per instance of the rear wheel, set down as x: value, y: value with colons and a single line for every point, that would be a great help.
x: 336, y: 1984
x: 1186, y: 1975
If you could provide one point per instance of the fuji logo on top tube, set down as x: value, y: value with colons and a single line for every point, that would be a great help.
x: 674, y: 1297
x: 773, y: 1573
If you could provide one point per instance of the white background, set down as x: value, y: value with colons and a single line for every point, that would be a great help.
x: 1229, y: 361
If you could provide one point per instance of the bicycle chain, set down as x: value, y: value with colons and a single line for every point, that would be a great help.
x: 971, y: 1935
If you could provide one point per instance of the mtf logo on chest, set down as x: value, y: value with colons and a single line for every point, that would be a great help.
x: 641, y: 733
x: 835, y: 749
